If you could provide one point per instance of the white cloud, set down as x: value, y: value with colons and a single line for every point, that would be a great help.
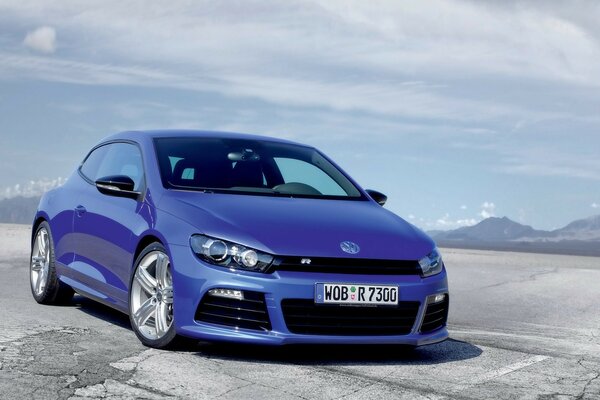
x: 61, y: 70
x: 43, y: 39
x: 339, y: 54
x: 574, y: 167
x: 463, y: 207
x: 487, y: 210
x: 595, y: 205
x: 446, y: 222
x: 31, y: 188
x: 374, y: 96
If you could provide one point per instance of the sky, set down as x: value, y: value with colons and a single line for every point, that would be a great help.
x: 457, y: 110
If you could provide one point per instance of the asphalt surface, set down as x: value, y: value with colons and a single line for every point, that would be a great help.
x: 521, y: 326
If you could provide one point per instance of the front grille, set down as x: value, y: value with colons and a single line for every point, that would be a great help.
x: 359, y: 266
x: 249, y: 313
x: 303, y: 316
x: 435, y: 316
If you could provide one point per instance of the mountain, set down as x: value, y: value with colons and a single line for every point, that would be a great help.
x: 582, y: 229
x: 580, y: 237
x: 30, y: 188
x: 19, y: 202
x: 490, y: 229
x: 18, y: 210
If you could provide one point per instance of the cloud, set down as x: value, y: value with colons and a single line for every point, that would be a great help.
x: 374, y: 97
x: 463, y: 207
x: 68, y: 71
x: 595, y: 205
x: 446, y: 222
x: 554, y: 167
x: 31, y: 188
x: 42, y: 39
x: 349, y: 56
x: 487, y: 210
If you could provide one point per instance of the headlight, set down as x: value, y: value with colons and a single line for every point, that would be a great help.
x: 229, y: 255
x: 431, y: 264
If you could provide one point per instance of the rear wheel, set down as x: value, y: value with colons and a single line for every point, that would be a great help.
x: 45, y: 286
x: 151, y: 298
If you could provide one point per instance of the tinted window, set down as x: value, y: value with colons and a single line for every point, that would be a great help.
x: 293, y: 170
x: 250, y: 167
x: 115, y: 159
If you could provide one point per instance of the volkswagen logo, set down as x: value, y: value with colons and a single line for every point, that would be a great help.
x: 349, y: 247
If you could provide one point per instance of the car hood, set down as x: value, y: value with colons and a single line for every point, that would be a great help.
x: 300, y: 226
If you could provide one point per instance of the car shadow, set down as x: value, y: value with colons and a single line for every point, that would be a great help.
x: 447, y: 351
x: 99, y: 310
x: 444, y: 352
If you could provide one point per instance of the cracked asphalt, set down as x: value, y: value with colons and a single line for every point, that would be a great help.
x: 521, y: 326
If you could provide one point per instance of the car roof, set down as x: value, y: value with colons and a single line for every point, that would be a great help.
x: 188, y: 133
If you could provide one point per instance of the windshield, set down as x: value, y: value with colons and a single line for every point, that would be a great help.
x: 250, y: 167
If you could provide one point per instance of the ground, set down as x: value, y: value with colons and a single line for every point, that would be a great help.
x: 521, y: 326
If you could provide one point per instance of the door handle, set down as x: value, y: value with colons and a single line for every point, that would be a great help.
x: 80, y: 210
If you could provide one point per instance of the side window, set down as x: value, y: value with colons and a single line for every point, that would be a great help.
x: 115, y: 159
x: 294, y: 170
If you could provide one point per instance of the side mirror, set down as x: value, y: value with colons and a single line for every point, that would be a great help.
x: 117, y: 185
x: 379, y: 197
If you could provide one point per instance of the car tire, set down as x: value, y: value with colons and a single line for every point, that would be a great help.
x: 46, y: 288
x: 151, y: 299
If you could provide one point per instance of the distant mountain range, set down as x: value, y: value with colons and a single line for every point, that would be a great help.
x: 19, y: 202
x: 18, y: 210
x: 581, y: 237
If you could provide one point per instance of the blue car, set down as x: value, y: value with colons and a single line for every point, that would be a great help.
x: 232, y: 237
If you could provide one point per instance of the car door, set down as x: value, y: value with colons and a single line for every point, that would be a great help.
x: 105, y: 225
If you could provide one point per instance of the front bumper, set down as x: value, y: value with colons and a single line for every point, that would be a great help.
x: 192, y: 279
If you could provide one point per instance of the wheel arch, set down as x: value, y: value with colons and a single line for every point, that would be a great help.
x: 39, y: 218
x: 144, y: 242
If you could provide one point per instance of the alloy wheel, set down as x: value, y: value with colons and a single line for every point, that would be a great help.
x: 40, y: 262
x: 152, y: 296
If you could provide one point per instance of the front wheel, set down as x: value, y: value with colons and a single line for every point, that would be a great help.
x: 151, y: 298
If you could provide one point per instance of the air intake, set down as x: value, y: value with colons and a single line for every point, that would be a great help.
x: 247, y: 311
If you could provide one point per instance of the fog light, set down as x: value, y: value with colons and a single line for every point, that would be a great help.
x: 438, y: 298
x: 227, y: 293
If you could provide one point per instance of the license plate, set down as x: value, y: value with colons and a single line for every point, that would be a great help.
x: 342, y: 293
